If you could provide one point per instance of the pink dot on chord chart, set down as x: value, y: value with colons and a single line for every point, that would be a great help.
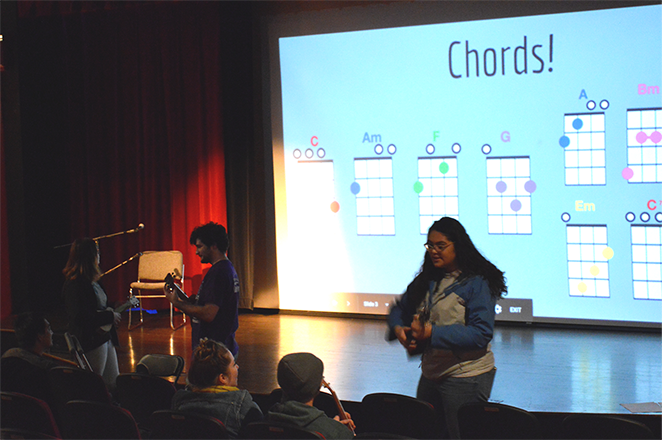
x: 501, y: 186
x: 656, y: 137
x: 641, y: 137
x: 627, y: 173
x: 335, y: 207
x: 515, y: 205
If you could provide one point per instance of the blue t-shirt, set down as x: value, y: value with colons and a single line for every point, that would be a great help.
x: 221, y: 287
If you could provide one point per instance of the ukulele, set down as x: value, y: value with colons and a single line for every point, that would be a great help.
x: 341, y: 411
x: 132, y: 302
x: 172, y: 286
x: 423, y: 317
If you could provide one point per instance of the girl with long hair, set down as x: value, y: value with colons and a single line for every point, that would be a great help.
x: 87, y: 308
x: 447, y: 313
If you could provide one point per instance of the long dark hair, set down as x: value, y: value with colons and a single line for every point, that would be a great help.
x: 469, y: 260
x: 209, y: 360
x: 83, y: 260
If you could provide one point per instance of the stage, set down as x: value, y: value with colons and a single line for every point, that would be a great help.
x: 554, y: 370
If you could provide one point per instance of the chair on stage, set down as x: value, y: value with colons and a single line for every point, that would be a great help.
x: 602, y: 426
x: 96, y: 420
x: 141, y: 395
x: 169, y: 424
x: 153, y: 267
x: 398, y: 414
x: 20, y: 434
x: 276, y: 430
x: 67, y: 383
x: 480, y: 420
x: 161, y: 365
x: 27, y: 413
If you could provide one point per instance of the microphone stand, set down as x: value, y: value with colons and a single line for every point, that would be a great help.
x: 120, y: 265
x: 130, y: 231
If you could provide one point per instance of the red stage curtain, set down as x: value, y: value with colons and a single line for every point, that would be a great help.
x: 143, y: 130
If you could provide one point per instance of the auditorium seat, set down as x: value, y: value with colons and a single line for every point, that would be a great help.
x: 398, y: 414
x: 142, y: 395
x: 96, y: 420
x: 276, y: 430
x: 23, y: 412
x: 169, y: 424
x: 597, y: 426
x: 481, y: 420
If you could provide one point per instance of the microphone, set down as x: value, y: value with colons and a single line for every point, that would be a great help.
x: 140, y: 227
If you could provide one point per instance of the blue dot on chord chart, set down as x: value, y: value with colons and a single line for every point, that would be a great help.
x: 530, y: 186
x: 515, y: 205
x: 577, y: 124
x: 355, y: 188
x: 501, y: 186
x: 564, y: 141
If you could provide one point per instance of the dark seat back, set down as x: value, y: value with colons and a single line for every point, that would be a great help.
x: 275, y: 430
x: 482, y: 420
x: 169, y: 424
x: 96, y: 420
x: 23, y: 412
x: 398, y: 414
x: 596, y: 426
x: 142, y: 395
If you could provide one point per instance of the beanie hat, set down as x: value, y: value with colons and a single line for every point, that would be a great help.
x: 300, y: 376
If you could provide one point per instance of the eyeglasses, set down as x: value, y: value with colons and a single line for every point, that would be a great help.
x: 436, y: 246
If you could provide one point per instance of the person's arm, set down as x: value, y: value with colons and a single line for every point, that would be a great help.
x: 206, y: 312
x: 478, y: 328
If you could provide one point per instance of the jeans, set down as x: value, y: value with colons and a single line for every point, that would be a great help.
x: 450, y: 393
x: 103, y: 361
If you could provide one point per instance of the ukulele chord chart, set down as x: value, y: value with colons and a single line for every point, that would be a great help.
x: 647, y: 261
x: 373, y: 188
x: 584, y: 143
x: 313, y: 192
x: 644, y: 149
x: 588, y: 260
x: 509, y: 189
x: 437, y: 190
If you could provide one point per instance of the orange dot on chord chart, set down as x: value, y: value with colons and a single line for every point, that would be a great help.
x: 335, y: 207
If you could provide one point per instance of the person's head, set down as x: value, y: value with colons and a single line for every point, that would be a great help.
x: 300, y: 376
x: 212, y: 364
x: 211, y: 234
x: 83, y: 260
x: 450, y: 248
x: 33, y: 332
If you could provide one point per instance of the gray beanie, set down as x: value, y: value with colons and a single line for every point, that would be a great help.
x: 300, y: 376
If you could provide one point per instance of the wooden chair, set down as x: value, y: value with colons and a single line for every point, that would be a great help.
x: 482, y: 420
x: 598, y: 426
x: 23, y: 412
x: 169, y: 424
x: 398, y: 414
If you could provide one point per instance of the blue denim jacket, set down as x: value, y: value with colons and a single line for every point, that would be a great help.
x: 230, y: 407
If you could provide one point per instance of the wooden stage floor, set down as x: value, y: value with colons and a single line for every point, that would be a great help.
x: 538, y: 369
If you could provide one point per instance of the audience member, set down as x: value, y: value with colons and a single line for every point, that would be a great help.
x: 300, y: 376
x: 24, y: 368
x: 212, y: 388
